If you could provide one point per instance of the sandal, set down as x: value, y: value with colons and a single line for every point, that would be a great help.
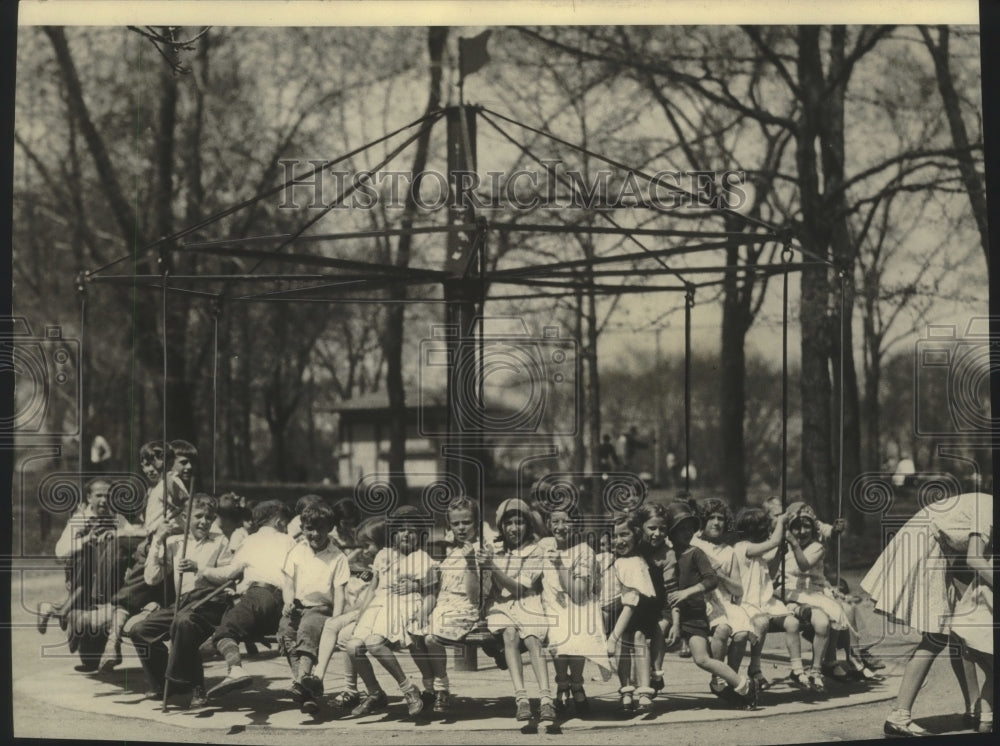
x: 870, y: 660
x: 816, y: 682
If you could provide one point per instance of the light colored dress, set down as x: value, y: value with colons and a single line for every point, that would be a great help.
x: 454, y: 613
x: 721, y: 606
x: 393, y: 616
x: 524, y: 611
x: 972, y: 619
x: 575, y: 629
x: 909, y: 581
x: 810, y: 587
x: 758, y: 587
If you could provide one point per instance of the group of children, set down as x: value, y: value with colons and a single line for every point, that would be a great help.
x: 207, y: 577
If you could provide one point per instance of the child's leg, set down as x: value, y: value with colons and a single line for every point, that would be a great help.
x: 421, y: 657
x: 437, y: 657
x: 720, y: 640
x: 561, y: 665
x: 793, y: 642
x: 760, y: 623
x: 914, y: 675
x: 640, y: 654
x: 358, y: 653
x: 307, y: 639
x: 328, y: 640
x: 657, y: 649
x: 534, y: 646
x: 660, y: 651
x: 700, y: 655
x: 965, y: 672
x: 624, y: 654
x: 821, y: 626
x: 378, y: 649
x: 737, y: 649
x: 986, y: 693
x: 512, y: 652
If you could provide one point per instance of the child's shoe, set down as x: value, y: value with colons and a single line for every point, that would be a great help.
x: 371, y: 703
x: 111, y: 657
x: 816, y: 682
x: 546, y: 711
x: 685, y: 650
x: 236, y: 679
x: 523, y: 711
x: 799, y: 680
x: 656, y: 681
x: 985, y: 724
x: 347, y: 700
x: 428, y: 698
x: 644, y: 698
x: 198, y: 697
x: 414, y: 702
x: 626, y: 699
x: 313, y: 684
x: 45, y: 611
x: 442, y: 701
x: 759, y: 679
x: 870, y: 660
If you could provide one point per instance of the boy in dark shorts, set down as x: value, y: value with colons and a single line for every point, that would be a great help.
x: 259, y: 561
x: 689, y: 614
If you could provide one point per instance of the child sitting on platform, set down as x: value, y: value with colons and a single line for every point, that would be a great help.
x: 317, y: 574
x: 694, y: 578
x: 259, y: 561
x: 400, y: 604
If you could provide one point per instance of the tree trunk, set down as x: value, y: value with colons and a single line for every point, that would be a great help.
x: 392, y: 338
x: 974, y: 184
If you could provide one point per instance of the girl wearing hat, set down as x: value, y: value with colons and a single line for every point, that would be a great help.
x: 694, y: 578
x: 805, y: 584
x: 516, y: 612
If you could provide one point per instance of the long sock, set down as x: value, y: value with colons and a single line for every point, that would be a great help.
x: 797, y: 665
x: 118, y: 624
x: 520, y: 694
x: 441, y: 683
x: 230, y: 650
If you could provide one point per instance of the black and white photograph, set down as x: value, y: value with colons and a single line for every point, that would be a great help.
x: 523, y: 373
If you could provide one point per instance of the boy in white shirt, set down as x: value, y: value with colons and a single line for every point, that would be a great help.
x: 198, y: 613
x: 317, y: 573
x: 259, y: 561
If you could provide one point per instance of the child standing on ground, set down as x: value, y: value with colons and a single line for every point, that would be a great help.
x: 634, y: 616
x: 317, y: 574
x: 516, y: 611
x: 403, y: 596
x: 694, y: 578
x: 728, y: 622
x: 570, y: 597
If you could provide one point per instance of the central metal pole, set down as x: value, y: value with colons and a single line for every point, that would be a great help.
x: 463, y: 294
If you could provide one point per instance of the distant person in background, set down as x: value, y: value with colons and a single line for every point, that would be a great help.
x: 607, y: 459
x: 100, y: 454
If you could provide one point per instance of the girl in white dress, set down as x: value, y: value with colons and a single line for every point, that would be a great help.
x: 402, y: 598
x: 516, y: 610
x: 457, y: 609
x: 912, y: 584
x: 727, y: 620
x: 759, y: 545
x: 571, y: 599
